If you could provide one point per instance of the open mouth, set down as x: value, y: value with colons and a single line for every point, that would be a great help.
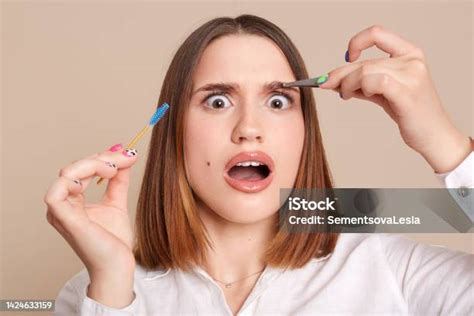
x: 249, y: 171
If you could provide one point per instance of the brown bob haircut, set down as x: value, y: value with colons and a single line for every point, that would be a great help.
x: 169, y: 232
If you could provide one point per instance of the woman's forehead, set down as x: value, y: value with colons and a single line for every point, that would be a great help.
x: 244, y: 59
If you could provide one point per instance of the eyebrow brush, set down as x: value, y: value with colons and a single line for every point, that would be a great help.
x: 312, y: 82
x: 159, y: 113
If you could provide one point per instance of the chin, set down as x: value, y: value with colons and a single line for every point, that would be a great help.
x: 244, y: 208
x: 242, y: 216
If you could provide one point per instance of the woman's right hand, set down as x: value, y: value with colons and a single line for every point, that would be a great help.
x: 99, y: 233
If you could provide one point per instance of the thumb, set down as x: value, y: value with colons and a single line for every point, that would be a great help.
x: 116, y: 194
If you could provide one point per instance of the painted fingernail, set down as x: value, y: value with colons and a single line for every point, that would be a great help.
x: 78, y: 182
x: 346, y: 57
x: 322, y: 79
x: 110, y: 164
x: 116, y: 147
x: 130, y: 152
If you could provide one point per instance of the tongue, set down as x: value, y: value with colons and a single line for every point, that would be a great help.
x: 245, y: 173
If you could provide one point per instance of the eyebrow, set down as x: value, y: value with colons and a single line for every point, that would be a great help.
x: 233, y: 87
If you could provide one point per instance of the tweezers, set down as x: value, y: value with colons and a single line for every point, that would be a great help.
x: 312, y: 82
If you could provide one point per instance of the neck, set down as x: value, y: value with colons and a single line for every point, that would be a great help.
x: 237, y: 249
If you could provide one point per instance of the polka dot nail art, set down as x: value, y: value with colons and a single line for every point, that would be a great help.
x: 110, y: 164
x: 130, y: 152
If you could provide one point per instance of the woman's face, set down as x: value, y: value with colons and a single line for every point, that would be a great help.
x: 237, y: 116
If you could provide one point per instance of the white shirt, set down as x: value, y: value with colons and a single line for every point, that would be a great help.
x: 458, y: 180
x: 366, y: 274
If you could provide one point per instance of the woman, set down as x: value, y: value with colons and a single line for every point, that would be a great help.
x: 207, y: 239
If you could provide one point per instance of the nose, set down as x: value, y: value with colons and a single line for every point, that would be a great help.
x: 248, y: 127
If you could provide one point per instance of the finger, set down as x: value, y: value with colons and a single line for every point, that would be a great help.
x: 104, y: 165
x: 61, y: 195
x: 85, y: 181
x: 353, y: 81
x: 394, y: 93
x: 85, y: 169
x: 338, y: 74
x: 384, y: 39
x: 91, y: 156
x: 116, y: 194
x: 379, y: 100
x: 60, y: 208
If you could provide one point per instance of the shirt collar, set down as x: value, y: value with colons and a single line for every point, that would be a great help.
x: 267, y: 275
x: 149, y: 275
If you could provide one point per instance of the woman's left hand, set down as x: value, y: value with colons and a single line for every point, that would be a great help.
x: 402, y: 86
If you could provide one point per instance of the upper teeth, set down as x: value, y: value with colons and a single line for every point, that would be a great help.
x: 249, y: 163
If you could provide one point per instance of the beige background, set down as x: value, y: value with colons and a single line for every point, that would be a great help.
x: 78, y: 77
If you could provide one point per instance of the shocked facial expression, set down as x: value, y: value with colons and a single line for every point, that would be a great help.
x: 244, y: 134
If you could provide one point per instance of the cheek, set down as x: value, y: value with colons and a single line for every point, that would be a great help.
x: 292, y: 133
x: 290, y: 137
x: 201, y: 140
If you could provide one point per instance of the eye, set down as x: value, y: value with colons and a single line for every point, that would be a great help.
x: 217, y: 101
x: 280, y: 101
